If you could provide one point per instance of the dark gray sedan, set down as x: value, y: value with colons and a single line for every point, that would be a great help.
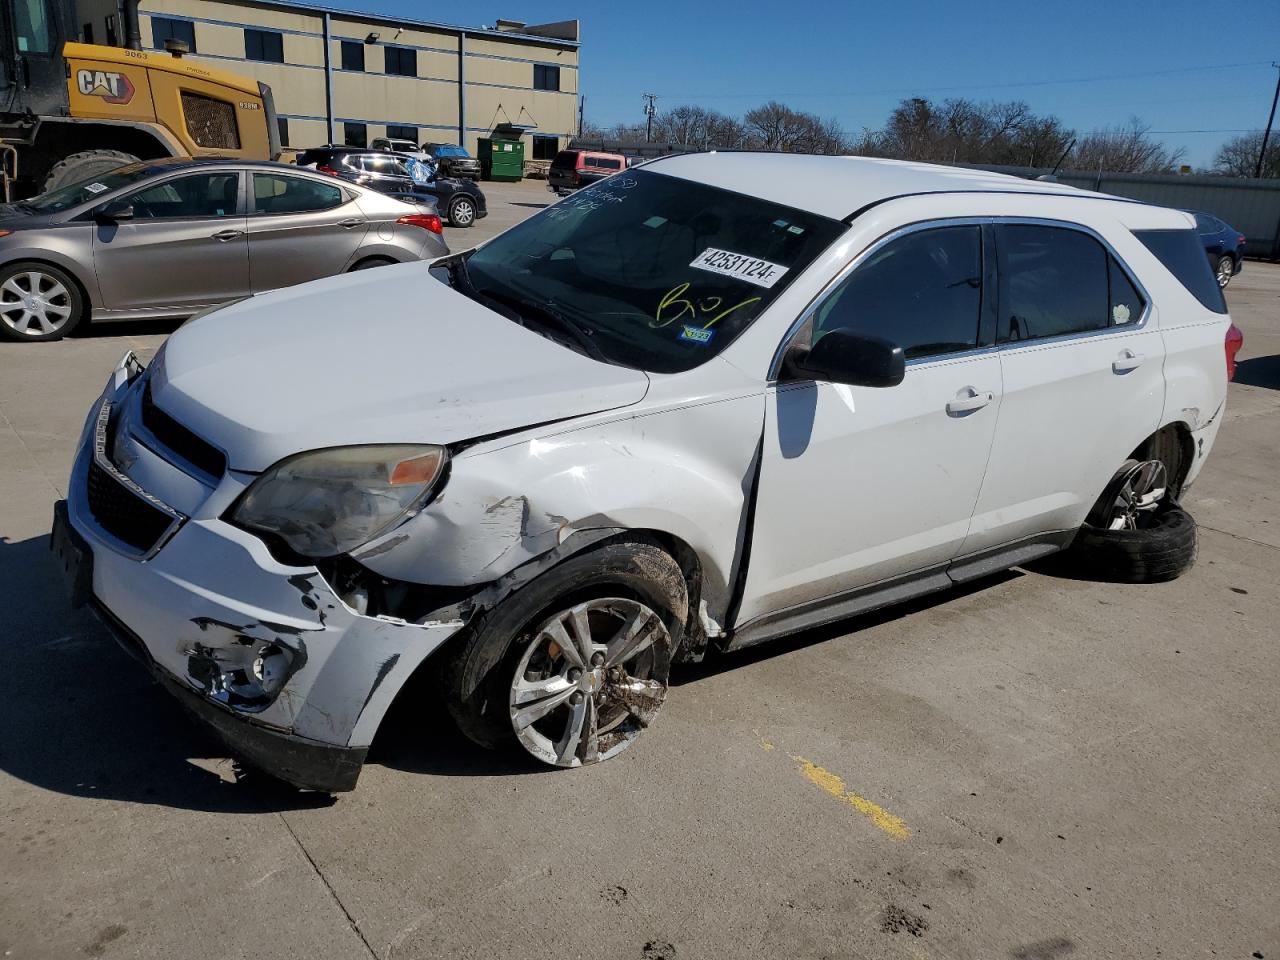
x: 168, y: 238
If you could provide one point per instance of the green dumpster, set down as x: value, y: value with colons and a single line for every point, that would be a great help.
x: 501, y: 159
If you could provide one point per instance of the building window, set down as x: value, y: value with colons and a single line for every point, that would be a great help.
x: 402, y: 133
x: 355, y: 134
x: 352, y: 55
x: 546, y: 77
x: 283, y: 123
x: 264, y: 45
x: 545, y: 148
x: 86, y: 33
x: 165, y: 28
x: 112, y: 39
x: 401, y: 61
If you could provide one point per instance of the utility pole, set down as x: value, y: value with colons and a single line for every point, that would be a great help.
x: 1262, y: 154
x: 649, y: 111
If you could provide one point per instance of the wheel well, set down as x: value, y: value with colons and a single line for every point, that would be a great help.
x: 1173, y: 446
x: 84, y: 292
x: 694, y: 646
x: 55, y: 141
x: 359, y: 263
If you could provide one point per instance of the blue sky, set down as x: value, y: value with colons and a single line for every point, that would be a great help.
x: 855, y: 60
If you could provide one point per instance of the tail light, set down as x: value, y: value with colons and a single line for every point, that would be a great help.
x: 427, y: 221
x: 329, y: 170
x: 1240, y: 241
x: 1234, y: 341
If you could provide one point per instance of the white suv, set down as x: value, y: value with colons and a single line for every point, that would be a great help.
x: 696, y: 406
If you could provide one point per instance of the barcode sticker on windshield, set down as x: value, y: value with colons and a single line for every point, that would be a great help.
x: 95, y: 187
x: 762, y: 273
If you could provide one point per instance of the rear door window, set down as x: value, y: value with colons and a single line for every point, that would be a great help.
x: 273, y: 193
x: 922, y: 291
x: 1053, y: 281
x: 1183, y: 255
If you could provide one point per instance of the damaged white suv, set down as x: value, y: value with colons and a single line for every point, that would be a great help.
x: 696, y: 406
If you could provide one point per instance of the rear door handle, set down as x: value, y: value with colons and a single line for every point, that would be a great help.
x: 1128, y: 360
x: 349, y: 223
x: 222, y: 236
x: 968, y: 400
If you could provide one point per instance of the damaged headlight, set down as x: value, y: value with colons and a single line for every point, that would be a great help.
x: 329, y: 502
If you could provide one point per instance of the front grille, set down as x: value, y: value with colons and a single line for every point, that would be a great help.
x: 123, y: 514
x: 211, y: 123
x: 198, y: 452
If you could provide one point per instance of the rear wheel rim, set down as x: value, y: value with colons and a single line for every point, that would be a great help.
x: 1138, y: 496
x: 34, y: 303
x: 591, y: 680
x: 463, y: 213
x: 1225, y: 266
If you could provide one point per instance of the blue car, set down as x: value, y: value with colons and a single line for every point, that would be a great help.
x: 1223, y: 244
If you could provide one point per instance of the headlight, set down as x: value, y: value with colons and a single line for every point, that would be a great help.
x: 330, y: 502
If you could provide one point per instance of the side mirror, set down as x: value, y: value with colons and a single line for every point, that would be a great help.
x: 843, y: 357
x: 114, y: 212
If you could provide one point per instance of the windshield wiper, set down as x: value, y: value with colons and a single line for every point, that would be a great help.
x: 545, y: 315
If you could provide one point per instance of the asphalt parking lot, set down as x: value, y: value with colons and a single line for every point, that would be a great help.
x: 1032, y: 768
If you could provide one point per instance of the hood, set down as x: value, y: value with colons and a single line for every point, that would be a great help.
x: 390, y: 355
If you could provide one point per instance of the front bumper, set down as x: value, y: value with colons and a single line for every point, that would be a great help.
x: 196, y: 605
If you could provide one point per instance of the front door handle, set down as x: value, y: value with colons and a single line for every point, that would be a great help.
x: 1128, y: 360
x: 968, y: 400
x: 222, y: 236
x: 352, y: 222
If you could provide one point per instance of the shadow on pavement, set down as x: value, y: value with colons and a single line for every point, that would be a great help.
x: 126, y: 328
x: 716, y: 664
x: 1259, y: 372
x: 80, y: 717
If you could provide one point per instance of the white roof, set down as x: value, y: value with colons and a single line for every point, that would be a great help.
x: 838, y: 186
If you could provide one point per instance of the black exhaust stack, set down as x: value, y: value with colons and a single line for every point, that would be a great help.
x: 132, y: 32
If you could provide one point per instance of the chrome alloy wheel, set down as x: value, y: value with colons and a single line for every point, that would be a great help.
x: 590, y: 682
x: 34, y: 299
x: 1226, y: 267
x: 1139, y: 493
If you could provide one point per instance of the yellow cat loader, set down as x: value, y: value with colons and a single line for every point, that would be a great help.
x: 70, y: 111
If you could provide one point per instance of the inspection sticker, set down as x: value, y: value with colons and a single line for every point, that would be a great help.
x: 762, y: 273
x: 695, y: 334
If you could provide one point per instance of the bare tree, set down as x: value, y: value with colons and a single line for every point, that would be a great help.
x: 775, y: 126
x: 1238, y: 157
x: 1124, y: 149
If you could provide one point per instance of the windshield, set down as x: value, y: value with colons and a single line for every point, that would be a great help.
x: 72, y: 195
x: 660, y: 273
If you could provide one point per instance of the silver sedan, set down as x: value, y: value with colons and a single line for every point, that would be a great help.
x: 169, y: 238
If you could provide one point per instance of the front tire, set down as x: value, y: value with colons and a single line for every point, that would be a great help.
x: 1225, y: 269
x: 462, y: 212
x: 84, y: 166
x: 38, y: 302
x: 574, y: 666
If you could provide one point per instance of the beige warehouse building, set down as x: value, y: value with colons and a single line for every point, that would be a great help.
x: 340, y: 76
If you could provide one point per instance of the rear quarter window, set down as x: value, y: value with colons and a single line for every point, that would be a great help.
x: 1183, y: 255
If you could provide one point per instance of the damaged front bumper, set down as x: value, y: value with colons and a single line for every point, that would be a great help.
x: 290, y: 676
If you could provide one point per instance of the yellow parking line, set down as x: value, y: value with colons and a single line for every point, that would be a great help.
x: 833, y: 784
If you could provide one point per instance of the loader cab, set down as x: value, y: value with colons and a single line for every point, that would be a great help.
x: 32, y: 72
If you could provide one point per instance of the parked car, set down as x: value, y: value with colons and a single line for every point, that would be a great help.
x: 454, y: 160
x: 460, y: 201
x: 703, y: 404
x: 393, y: 145
x: 573, y: 169
x: 1223, y: 244
x: 169, y: 238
